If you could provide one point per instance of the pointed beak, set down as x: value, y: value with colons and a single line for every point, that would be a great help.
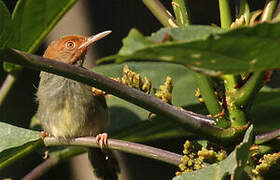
x: 93, y: 39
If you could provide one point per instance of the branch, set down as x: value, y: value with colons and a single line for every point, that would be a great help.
x: 192, y: 122
x: 53, y: 160
x: 6, y: 86
x: 262, y: 138
x: 160, y: 12
x: 59, y: 156
x: 124, y: 146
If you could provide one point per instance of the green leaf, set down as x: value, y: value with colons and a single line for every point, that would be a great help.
x: 207, y: 49
x: 265, y: 110
x: 9, y: 67
x: 16, y: 142
x: 129, y: 121
x: 33, y: 20
x: 233, y: 165
x: 6, y: 24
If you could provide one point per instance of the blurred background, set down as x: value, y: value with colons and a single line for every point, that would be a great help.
x: 86, y: 18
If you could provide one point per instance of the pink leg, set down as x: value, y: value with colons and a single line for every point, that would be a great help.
x: 44, y: 134
x: 102, y: 139
x: 46, y: 155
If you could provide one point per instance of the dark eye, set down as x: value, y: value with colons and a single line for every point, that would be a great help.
x: 70, y: 45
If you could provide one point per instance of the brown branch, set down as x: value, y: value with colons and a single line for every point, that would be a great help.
x: 124, y: 146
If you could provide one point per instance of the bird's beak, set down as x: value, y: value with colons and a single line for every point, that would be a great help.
x: 93, y: 39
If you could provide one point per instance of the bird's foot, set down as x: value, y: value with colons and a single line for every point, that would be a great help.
x: 98, y: 92
x: 102, y: 140
x: 44, y: 134
x: 46, y: 154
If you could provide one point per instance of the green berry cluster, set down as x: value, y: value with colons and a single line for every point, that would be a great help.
x: 190, y: 160
x: 165, y: 91
x: 134, y: 80
x: 194, y: 160
x: 211, y: 156
x: 267, y: 163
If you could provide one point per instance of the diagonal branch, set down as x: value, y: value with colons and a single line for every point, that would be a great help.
x: 192, y: 122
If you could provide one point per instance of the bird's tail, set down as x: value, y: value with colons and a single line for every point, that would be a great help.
x: 105, y: 165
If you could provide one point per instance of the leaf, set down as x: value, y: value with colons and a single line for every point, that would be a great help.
x: 129, y: 121
x: 11, y: 68
x: 6, y: 24
x: 15, y: 141
x: 207, y: 49
x: 33, y: 20
x: 265, y: 110
x: 233, y: 165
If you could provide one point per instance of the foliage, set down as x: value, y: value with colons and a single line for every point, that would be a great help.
x: 233, y: 62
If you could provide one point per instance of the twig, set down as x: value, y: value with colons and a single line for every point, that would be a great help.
x: 160, y: 12
x: 54, y: 159
x: 42, y: 168
x: 125, y: 146
x: 262, y: 138
x: 6, y: 86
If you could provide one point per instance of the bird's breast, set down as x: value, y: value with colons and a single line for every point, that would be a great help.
x: 68, y: 108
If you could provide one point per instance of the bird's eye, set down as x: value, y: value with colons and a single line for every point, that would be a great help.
x: 70, y: 45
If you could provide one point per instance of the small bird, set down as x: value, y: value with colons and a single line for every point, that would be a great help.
x: 68, y: 108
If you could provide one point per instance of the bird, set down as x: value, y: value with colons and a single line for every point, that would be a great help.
x: 69, y: 109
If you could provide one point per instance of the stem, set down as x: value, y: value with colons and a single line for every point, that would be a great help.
x: 210, y: 100
x: 53, y: 160
x: 269, y: 10
x: 247, y: 93
x: 236, y: 114
x: 245, y: 11
x: 225, y: 14
x: 160, y: 12
x: 6, y: 86
x: 124, y: 146
x: 262, y: 138
x: 192, y: 122
x: 182, y: 12
x: 28, y: 149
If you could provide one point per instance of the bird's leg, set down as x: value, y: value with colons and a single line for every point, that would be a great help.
x: 46, y: 153
x: 102, y: 140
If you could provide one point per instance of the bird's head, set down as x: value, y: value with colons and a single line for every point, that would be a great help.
x: 72, y: 49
